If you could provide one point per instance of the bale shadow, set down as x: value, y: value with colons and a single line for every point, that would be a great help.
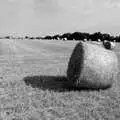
x: 54, y: 83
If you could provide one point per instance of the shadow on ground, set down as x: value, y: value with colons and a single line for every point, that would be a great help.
x: 54, y: 83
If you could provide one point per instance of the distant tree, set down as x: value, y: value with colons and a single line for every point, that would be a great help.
x: 26, y: 37
x: 7, y: 37
x: 112, y: 38
x: 31, y: 38
x: 117, y: 39
x: 57, y: 37
x: 77, y: 36
x: 67, y: 36
x: 106, y: 36
x: 48, y: 37
x: 86, y: 35
x: 38, y: 38
x: 95, y: 36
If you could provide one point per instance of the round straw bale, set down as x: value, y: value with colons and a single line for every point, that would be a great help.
x: 92, y: 66
x: 109, y: 45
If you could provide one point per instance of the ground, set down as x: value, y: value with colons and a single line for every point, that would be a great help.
x: 33, y: 84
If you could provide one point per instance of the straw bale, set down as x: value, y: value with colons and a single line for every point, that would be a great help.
x: 92, y: 66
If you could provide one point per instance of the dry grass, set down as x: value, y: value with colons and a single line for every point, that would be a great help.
x: 25, y: 94
x: 88, y: 67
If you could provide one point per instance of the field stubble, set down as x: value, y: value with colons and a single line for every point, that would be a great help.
x: 32, y: 85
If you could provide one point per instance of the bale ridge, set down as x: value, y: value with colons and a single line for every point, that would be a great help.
x: 92, y: 66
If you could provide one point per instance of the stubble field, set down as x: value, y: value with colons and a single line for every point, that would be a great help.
x: 33, y: 84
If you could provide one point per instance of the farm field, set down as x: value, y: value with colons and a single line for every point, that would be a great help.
x: 33, y: 84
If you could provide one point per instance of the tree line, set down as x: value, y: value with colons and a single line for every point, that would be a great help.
x: 97, y: 36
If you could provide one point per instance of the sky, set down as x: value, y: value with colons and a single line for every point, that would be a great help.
x: 46, y: 17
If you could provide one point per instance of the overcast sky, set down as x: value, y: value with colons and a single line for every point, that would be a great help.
x: 43, y: 17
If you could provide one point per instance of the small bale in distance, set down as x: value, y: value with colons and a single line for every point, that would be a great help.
x: 109, y: 45
x: 92, y: 67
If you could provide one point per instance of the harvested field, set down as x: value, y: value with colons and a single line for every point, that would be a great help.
x: 33, y: 84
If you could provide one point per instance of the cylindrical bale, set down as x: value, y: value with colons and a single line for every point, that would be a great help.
x: 92, y: 66
x: 109, y: 45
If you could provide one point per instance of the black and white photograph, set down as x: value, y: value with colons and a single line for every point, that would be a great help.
x: 59, y: 60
